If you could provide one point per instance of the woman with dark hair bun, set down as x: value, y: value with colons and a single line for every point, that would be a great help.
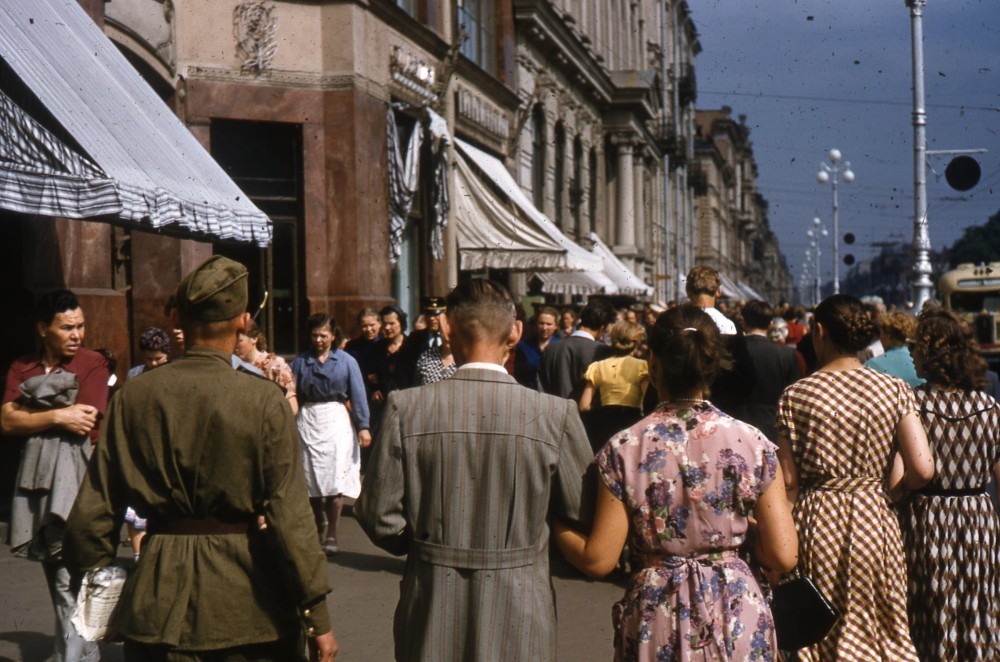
x: 682, y: 485
x: 847, y: 435
x: 326, y: 379
x: 950, y: 525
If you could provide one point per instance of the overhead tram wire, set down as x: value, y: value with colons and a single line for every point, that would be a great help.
x: 872, y: 102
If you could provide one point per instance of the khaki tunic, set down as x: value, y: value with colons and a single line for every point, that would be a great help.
x: 464, y: 474
x: 195, y: 438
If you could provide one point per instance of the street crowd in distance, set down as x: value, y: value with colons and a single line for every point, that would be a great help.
x: 707, y: 453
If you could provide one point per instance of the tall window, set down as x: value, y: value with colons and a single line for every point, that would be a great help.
x: 576, y: 186
x: 560, y: 175
x: 592, y: 186
x: 538, y: 146
x: 265, y: 161
x: 477, y: 20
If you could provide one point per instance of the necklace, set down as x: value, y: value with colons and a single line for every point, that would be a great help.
x: 691, y: 401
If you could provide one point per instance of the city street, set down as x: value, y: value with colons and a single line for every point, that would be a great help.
x: 365, y: 583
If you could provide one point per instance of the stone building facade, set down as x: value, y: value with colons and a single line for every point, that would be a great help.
x: 733, y: 233
x: 589, y: 105
x: 607, y: 95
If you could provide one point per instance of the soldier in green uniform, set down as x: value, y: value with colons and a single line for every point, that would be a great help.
x: 201, y: 451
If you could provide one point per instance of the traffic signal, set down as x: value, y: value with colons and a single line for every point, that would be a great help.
x: 962, y: 173
x: 849, y: 238
x: 848, y: 259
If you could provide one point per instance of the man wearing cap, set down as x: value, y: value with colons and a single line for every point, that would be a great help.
x: 201, y: 450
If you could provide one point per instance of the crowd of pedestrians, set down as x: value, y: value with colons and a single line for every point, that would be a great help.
x: 708, y: 452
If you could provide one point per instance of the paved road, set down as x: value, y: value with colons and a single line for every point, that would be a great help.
x: 365, y: 584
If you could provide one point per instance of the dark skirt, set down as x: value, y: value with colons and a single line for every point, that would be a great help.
x: 602, y: 423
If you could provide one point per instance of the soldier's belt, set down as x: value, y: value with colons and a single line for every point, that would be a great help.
x: 196, y: 526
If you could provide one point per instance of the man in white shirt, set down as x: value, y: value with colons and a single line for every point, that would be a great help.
x: 733, y: 386
x: 703, y: 287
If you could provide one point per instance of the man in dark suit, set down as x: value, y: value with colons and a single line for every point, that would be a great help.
x: 565, y: 362
x: 464, y: 476
x: 774, y: 364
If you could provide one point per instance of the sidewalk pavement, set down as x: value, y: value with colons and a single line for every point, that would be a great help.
x: 365, y: 583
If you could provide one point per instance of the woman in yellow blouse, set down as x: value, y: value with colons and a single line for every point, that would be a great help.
x: 621, y: 381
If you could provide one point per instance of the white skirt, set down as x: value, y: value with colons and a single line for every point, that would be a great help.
x: 330, y: 451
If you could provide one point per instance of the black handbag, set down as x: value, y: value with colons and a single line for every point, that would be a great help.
x: 802, y: 615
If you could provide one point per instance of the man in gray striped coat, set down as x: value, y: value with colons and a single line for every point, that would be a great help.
x: 464, y: 474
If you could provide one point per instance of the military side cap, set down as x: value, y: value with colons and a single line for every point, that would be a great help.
x: 433, y: 305
x: 215, y: 291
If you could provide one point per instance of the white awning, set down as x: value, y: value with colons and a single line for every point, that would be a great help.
x: 625, y: 280
x: 730, y: 289
x: 494, y: 216
x: 491, y: 236
x: 751, y: 293
x: 581, y: 283
x: 136, y: 162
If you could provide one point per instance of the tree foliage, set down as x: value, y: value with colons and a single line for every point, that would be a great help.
x: 979, y: 243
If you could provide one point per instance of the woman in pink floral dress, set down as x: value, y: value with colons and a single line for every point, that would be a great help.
x: 682, y: 485
x: 252, y: 348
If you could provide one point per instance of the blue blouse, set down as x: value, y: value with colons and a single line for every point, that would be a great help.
x: 338, y: 379
x: 528, y: 360
x: 898, y: 363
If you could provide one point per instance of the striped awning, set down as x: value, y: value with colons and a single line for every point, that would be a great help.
x: 626, y: 281
x: 128, y: 158
x: 499, y: 227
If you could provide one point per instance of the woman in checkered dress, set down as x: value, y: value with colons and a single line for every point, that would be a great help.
x: 848, y: 436
x: 950, y: 527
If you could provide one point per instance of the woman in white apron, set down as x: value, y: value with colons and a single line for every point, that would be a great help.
x: 331, y: 392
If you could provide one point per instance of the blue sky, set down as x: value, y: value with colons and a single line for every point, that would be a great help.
x: 815, y: 74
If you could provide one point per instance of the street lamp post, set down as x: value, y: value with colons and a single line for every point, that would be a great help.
x: 815, y: 235
x: 830, y: 173
x: 922, y: 284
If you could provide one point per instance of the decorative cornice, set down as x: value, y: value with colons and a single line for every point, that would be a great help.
x: 295, y: 79
x: 412, y: 72
x: 482, y: 113
x: 541, y: 24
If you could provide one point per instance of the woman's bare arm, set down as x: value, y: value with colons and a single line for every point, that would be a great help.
x: 597, y: 554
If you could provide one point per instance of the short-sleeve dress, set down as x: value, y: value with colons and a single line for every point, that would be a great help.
x: 842, y: 429
x: 951, y: 531
x: 689, y: 475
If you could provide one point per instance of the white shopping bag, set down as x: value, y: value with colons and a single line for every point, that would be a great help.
x: 97, y: 600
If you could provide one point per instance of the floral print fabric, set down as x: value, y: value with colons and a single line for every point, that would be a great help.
x: 689, y: 476
x: 277, y: 370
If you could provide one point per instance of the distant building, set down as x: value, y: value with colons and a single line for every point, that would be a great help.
x: 734, y: 234
x: 888, y: 274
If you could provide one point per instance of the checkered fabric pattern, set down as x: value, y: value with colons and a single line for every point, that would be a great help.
x: 431, y: 368
x: 841, y: 426
x: 953, y: 542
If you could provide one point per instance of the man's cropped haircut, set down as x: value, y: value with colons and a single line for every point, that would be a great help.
x: 52, y: 303
x: 481, y: 309
x: 703, y: 280
x: 597, y: 314
x: 757, y: 314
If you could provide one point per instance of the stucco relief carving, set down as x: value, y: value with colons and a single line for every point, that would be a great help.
x: 414, y: 73
x: 255, y: 25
